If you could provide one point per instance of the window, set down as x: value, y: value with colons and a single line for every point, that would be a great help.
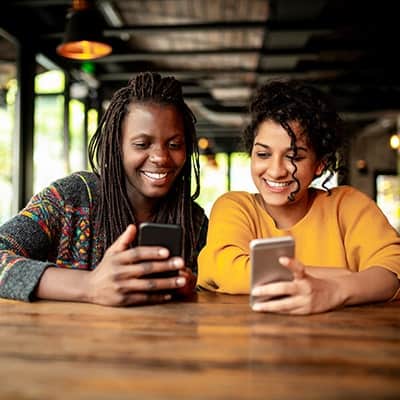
x: 213, y: 179
x: 218, y: 174
x: 50, y: 149
x: 387, y: 195
x: 7, y: 112
x: 240, y: 173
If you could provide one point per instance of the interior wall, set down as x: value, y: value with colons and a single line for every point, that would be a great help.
x: 370, y: 152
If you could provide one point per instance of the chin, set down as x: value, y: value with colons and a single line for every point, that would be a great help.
x: 156, y: 193
x: 275, y: 199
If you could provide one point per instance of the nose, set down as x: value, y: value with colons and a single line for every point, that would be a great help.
x: 159, y: 155
x: 277, y: 168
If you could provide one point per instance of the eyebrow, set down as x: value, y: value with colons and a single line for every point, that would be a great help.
x: 135, y: 135
x: 265, y: 146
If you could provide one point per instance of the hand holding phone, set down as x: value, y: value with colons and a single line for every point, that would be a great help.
x: 265, y: 267
x: 164, y: 235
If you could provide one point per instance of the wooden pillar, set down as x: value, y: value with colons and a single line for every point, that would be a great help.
x: 24, y: 126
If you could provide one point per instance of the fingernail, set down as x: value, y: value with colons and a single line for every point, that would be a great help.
x: 256, y: 307
x: 284, y: 260
x: 256, y: 292
x: 177, y: 262
x: 163, y: 252
x: 181, y: 281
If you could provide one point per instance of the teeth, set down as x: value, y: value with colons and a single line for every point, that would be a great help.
x: 277, y: 184
x: 155, y: 175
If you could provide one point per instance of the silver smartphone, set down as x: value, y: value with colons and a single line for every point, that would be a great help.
x: 164, y: 235
x: 265, y: 267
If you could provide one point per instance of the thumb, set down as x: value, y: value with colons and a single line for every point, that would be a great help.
x: 124, y: 240
x: 293, y: 265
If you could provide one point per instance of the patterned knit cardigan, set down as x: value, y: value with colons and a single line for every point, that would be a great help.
x: 57, y: 228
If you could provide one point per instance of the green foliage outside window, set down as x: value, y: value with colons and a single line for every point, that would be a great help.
x: 49, y: 147
x: 7, y: 115
x: 76, y: 134
x: 214, y: 176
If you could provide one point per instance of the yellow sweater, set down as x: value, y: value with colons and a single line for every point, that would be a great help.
x: 344, y: 230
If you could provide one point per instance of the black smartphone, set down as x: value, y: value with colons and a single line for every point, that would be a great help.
x: 265, y: 267
x: 164, y: 235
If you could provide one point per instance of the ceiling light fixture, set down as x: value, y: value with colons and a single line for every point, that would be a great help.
x: 83, y: 34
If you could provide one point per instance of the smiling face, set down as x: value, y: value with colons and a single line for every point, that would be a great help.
x: 153, y: 151
x: 272, y: 167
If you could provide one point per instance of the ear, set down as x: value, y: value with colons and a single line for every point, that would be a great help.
x: 320, y: 168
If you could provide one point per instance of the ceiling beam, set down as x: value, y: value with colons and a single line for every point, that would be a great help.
x: 225, y: 72
x: 290, y: 26
x: 156, y: 54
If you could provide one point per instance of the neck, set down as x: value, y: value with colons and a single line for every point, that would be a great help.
x: 143, y: 208
x: 289, y: 215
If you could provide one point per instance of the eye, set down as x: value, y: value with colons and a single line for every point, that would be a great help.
x: 295, y: 158
x: 175, y: 145
x: 263, y: 154
x: 140, y: 144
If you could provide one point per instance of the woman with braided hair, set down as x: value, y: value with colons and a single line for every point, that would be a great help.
x: 346, y: 252
x: 76, y: 240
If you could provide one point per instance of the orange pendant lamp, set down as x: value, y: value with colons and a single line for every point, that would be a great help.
x: 83, y: 38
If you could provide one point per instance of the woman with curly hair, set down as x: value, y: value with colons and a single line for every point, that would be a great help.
x: 76, y: 240
x: 346, y: 252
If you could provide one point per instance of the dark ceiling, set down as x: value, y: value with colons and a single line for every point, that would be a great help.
x: 222, y: 49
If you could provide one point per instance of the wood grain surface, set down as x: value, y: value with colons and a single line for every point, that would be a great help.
x: 211, y: 347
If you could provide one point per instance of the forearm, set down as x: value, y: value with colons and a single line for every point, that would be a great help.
x: 371, y: 285
x: 225, y: 276
x: 327, y: 272
x: 63, y: 284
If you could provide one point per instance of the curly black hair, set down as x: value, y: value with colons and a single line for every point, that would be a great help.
x: 105, y: 156
x: 287, y: 101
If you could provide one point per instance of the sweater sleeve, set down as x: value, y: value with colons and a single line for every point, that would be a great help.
x: 224, y: 262
x: 25, y: 245
x: 369, y: 238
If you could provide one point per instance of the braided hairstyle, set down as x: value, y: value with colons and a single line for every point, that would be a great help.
x: 105, y: 156
x: 284, y: 102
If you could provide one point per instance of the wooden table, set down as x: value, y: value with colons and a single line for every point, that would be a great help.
x: 212, y: 347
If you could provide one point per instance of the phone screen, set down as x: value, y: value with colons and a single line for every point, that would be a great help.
x: 164, y: 235
x: 265, y: 267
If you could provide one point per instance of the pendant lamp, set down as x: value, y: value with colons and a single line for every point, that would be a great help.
x: 83, y: 38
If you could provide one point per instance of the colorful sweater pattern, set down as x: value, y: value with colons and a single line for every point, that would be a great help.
x: 57, y: 228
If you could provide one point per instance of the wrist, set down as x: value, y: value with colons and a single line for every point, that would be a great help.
x: 342, y: 292
x: 63, y: 284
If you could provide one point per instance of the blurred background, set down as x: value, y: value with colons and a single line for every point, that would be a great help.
x: 53, y: 93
